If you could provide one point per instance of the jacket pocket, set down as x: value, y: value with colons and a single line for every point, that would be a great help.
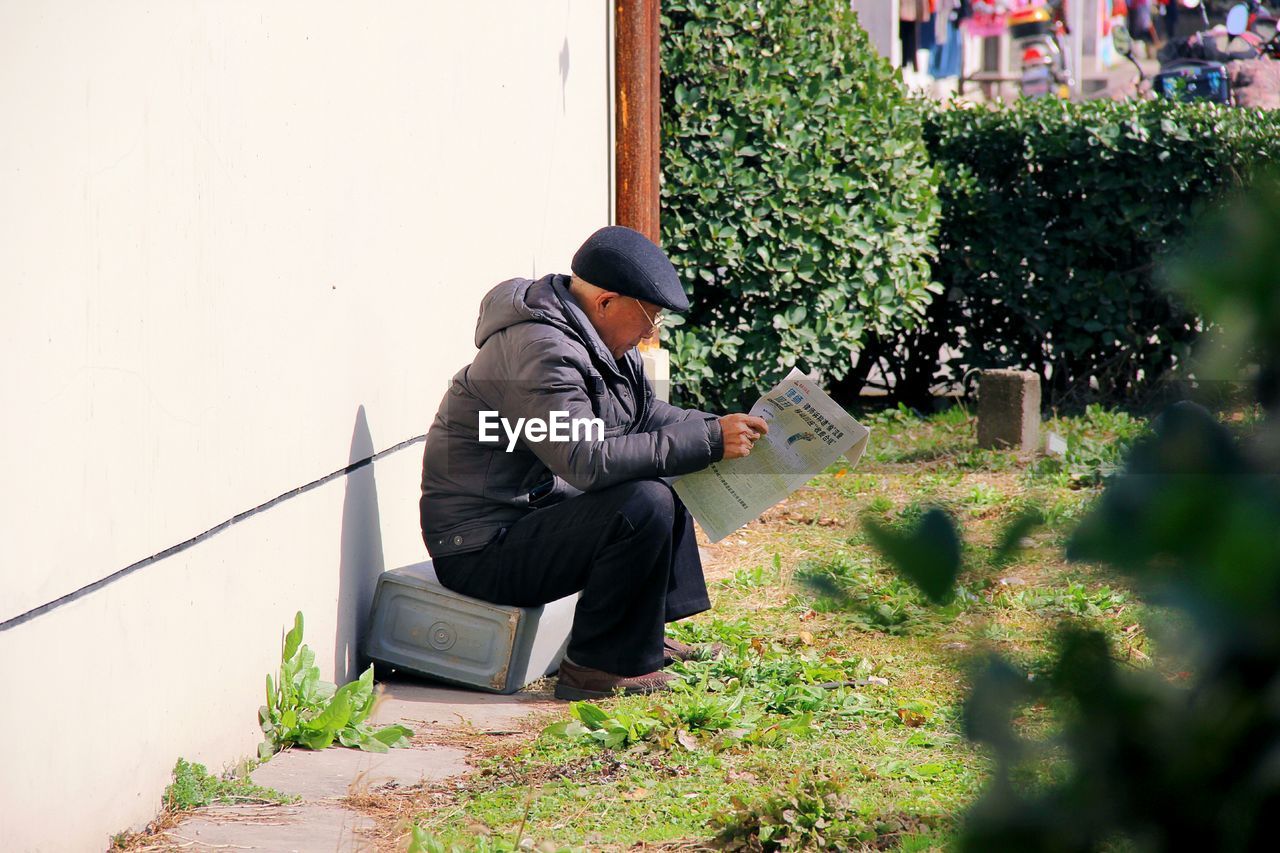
x: 467, y: 537
x: 551, y: 492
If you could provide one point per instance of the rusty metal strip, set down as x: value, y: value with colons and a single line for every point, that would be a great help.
x: 638, y: 101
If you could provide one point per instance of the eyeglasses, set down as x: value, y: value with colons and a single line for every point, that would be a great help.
x: 656, y: 321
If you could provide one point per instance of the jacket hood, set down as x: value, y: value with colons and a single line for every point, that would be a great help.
x: 503, y: 307
x: 546, y: 300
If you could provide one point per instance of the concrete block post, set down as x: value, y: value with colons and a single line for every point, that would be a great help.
x: 657, y: 366
x: 1009, y: 410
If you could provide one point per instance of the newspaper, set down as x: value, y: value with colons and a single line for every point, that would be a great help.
x: 807, y: 432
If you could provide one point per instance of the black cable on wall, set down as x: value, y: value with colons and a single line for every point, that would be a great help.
x: 200, y: 537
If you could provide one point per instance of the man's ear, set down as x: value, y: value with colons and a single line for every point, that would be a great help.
x: 604, y: 300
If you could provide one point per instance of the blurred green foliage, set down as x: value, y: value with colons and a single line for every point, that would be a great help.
x: 797, y: 196
x: 1232, y: 275
x: 1185, y: 755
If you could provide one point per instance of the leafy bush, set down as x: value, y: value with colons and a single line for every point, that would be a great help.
x: 303, y: 710
x: 1054, y: 216
x: 1182, y: 756
x: 797, y: 196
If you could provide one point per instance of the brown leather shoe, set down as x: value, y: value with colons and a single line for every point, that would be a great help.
x: 674, y: 650
x: 581, y: 682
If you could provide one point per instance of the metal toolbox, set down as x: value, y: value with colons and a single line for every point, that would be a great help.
x: 420, y: 627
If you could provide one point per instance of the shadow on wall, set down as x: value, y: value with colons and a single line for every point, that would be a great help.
x: 564, y: 71
x: 361, y: 561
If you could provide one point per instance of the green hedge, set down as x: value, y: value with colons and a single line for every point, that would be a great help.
x: 804, y: 197
x: 1055, y: 218
x: 797, y: 195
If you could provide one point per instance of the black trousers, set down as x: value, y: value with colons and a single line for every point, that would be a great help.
x: 629, y: 549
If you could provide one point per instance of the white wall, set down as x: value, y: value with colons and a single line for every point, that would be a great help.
x: 880, y: 19
x: 241, y: 245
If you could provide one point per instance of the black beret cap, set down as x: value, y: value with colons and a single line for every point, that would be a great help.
x: 627, y: 262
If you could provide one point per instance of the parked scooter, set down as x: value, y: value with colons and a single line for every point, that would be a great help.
x: 1039, y: 40
x: 1193, y: 78
x: 1195, y: 69
x: 1266, y: 27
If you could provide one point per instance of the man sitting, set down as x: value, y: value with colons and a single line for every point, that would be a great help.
x: 524, y: 521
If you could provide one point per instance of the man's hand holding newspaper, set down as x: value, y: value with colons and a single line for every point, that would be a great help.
x: 740, y: 433
x: 807, y: 431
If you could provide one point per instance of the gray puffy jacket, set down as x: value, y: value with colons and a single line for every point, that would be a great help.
x: 539, y: 353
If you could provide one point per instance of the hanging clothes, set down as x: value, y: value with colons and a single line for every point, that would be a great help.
x: 944, y: 58
x: 987, y: 18
x: 947, y: 9
x: 926, y: 34
x: 912, y: 15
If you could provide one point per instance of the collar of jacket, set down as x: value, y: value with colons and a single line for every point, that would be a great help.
x: 578, y: 319
x: 629, y: 368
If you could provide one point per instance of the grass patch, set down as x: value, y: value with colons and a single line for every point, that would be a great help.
x: 834, y: 715
x: 814, y: 813
x: 1096, y: 445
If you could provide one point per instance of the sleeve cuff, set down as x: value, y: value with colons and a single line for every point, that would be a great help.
x: 717, y: 439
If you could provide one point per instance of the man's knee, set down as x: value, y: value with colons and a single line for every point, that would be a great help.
x: 647, y: 503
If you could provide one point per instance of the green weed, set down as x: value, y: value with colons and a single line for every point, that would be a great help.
x: 754, y: 577
x: 976, y: 459
x: 193, y: 787
x: 813, y: 813
x: 880, y: 505
x: 422, y: 841
x: 693, y: 719
x: 303, y: 710
x: 852, y: 485
x: 1097, y: 443
x: 616, y: 730
x: 982, y: 497
x: 1075, y: 600
x: 872, y: 600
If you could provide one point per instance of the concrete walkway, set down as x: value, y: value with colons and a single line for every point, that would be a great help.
x: 445, y: 723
